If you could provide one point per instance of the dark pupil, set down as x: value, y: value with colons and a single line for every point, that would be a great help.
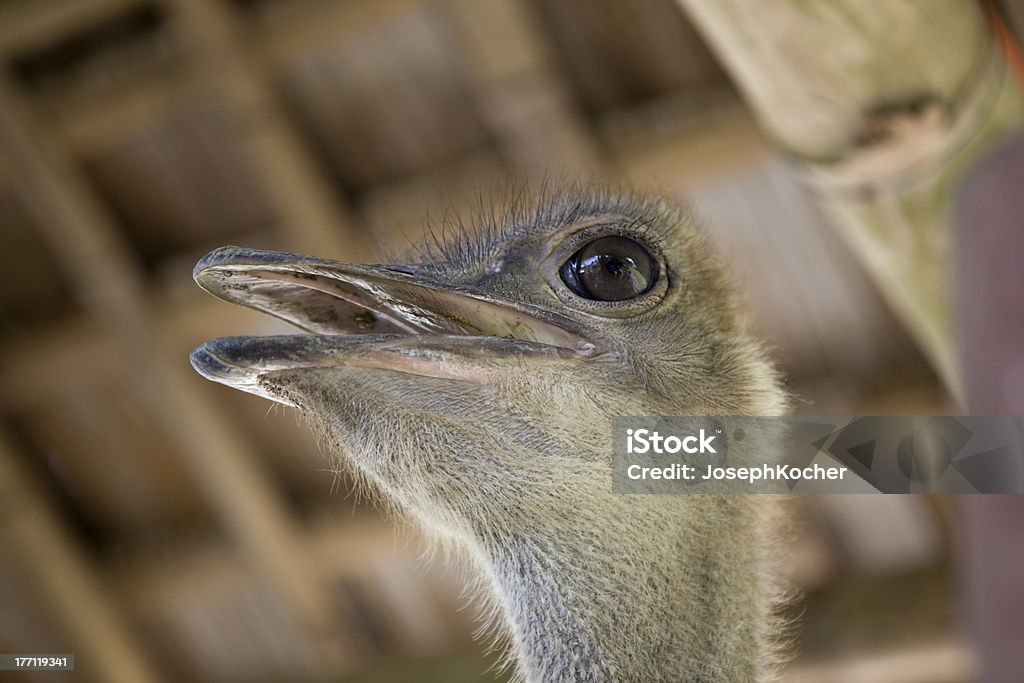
x: 610, y: 269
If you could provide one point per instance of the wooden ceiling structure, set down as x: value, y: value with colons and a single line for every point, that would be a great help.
x: 163, y: 528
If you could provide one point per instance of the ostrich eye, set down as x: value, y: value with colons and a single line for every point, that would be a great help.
x: 610, y: 269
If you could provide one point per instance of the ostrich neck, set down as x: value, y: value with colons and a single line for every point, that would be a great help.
x: 671, y: 603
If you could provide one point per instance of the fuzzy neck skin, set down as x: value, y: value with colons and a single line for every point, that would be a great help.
x: 679, y: 599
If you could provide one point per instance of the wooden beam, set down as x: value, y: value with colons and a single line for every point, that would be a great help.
x: 103, y: 273
x: 318, y: 26
x: 31, y: 25
x: 314, y: 221
x: 990, y: 310
x: 88, y: 125
x: 73, y: 597
x: 882, y: 117
x: 944, y: 661
x: 411, y: 607
x: 518, y: 92
x: 80, y: 350
x: 35, y: 366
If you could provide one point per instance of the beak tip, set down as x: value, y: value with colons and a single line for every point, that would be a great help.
x: 212, y: 259
x: 206, y: 363
x: 222, y: 258
x: 224, y: 361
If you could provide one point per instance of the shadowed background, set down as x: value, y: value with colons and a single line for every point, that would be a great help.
x: 164, y: 528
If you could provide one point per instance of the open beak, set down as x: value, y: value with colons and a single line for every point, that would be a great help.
x: 371, y: 316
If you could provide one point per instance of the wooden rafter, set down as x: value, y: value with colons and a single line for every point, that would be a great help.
x: 883, y: 118
x: 74, y: 598
x: 88, y: 247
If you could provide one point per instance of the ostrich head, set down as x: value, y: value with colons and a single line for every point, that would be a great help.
x: 474, y: 391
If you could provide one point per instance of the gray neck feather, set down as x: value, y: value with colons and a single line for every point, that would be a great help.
x: 677, y: 601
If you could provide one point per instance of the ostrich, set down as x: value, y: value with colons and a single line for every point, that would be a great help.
x: 474, y: 391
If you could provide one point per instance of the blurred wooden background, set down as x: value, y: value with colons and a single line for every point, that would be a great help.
x: 164, y: 528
